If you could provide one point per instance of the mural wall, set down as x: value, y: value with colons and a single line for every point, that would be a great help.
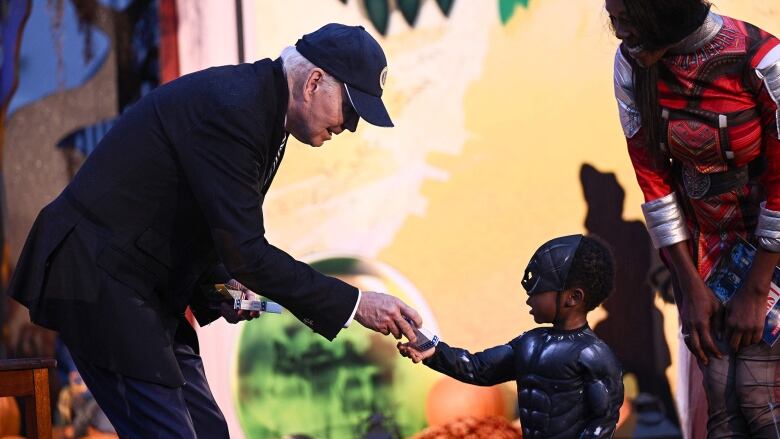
x: 506, y: 135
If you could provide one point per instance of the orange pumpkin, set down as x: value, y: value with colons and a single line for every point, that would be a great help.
x: 10, y: 420
x: 450, y: 399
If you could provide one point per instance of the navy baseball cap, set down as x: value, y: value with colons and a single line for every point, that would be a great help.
x: 549, y: 266
x: 353, y: 57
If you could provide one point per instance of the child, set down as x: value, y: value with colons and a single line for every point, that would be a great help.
x: 568, y: 381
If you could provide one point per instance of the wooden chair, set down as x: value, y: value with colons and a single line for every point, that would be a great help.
x: 28, y: 378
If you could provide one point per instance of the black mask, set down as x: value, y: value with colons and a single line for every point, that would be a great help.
x: 549, y: 266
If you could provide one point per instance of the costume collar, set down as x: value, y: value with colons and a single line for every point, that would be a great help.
x: 553, y: 331
x: 701, y: 36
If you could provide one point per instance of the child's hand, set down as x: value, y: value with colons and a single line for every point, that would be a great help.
x: 407, y: 350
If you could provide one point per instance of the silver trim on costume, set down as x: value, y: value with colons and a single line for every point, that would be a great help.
x: 665, y: 221
x: 768, y: 229
x: 630, y: 118
x: 769, y: 71
x: 702, y: 35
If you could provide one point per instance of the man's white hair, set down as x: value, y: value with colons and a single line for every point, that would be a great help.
x: 297, y: 67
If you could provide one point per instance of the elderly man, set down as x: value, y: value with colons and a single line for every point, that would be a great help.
x: 176, y: 189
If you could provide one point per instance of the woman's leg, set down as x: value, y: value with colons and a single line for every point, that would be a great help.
x: 758, y: 386
x: 725, y: 419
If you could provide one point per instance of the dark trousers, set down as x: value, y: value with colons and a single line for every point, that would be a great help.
x: 140, y: 409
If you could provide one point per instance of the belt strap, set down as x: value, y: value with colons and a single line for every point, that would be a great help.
x: 699, y: 185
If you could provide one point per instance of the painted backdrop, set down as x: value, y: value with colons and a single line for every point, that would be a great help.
x: 506, y: 135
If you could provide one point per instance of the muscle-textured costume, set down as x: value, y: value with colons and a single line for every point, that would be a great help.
x: 569, y: 382
x: 715, y: 178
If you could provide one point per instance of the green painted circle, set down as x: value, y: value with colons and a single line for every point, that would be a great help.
x: 290, y: 380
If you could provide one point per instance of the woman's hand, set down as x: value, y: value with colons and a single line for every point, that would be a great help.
x: 745, y: 315
x: 746, y: 311
x: 700, y: 316
x: 700, y: 310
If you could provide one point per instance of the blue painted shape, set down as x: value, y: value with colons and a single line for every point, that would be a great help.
x: 10, y: 27
x: 86, y: 139
x: 38, y: 59
x: 117, y: 5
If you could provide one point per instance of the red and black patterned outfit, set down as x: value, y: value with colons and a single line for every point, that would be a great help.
x: 699, y: 92
x: 717, y: 162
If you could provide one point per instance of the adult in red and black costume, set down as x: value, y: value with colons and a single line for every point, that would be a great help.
x: 698, y: 97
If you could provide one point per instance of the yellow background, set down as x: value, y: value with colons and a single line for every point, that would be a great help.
x: 541, y: 105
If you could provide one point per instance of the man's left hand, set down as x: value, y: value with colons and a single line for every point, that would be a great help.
x: 236, y: 315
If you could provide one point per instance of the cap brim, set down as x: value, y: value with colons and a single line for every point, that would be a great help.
x: 369, y: 107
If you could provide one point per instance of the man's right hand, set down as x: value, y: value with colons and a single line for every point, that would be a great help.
x: 387, y: 314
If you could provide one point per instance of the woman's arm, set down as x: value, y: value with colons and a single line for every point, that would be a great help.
x: 746, y: 311
x: 664, y: 217
x: 699, y: 307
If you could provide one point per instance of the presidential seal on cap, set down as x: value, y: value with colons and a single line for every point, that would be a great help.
x: 353, y: 57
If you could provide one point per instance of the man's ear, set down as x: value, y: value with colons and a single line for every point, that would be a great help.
x: 575, y: 297
x: 313, y: 82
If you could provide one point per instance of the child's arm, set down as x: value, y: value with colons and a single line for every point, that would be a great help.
x: 489, y: 367
x: 604, y: 390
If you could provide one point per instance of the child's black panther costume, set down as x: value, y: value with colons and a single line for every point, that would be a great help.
x: 569, y: 384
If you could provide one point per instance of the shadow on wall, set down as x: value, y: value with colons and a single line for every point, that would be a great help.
x: 630, y: 308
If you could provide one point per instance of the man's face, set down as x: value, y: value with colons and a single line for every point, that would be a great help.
x: 325, y: 111
x: 543, y: 306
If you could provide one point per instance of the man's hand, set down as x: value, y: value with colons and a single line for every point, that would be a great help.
x: 236, y: 315
x: 387, y: 314
x: 408, y: 351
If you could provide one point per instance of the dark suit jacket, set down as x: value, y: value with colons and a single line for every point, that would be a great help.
x: 176, y: 186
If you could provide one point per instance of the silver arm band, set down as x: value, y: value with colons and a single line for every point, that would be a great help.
x: 768, y: 70
x: 665, y: 221
x: 630, y: 118
x: 768, y: 229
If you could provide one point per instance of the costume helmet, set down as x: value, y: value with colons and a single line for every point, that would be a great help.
x: 549, y: 266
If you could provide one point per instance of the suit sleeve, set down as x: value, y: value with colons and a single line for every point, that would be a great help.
x: 221, y: 161
x: 604, y: 391
x: 487, y: 368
